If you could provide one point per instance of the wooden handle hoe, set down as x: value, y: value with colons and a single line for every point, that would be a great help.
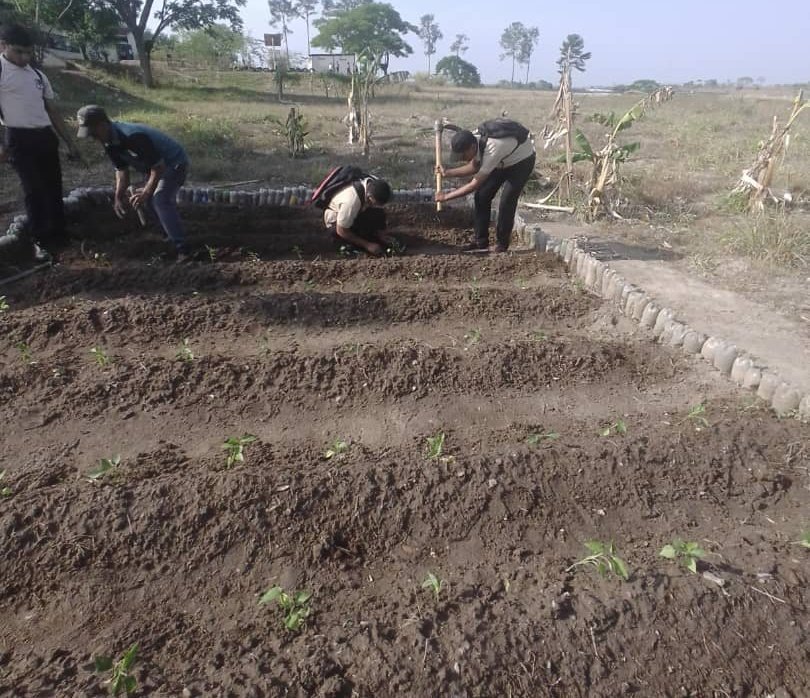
x: 437, y: 128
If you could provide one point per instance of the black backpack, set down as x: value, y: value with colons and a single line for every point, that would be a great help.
x: 336, y: 180
x: 501, y: 128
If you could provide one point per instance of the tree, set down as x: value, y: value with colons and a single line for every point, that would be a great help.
x: 304, y: 9
x: 333, y: 8
x: 459, y: 71
x: 282, y: 12
x: 528, y: 42
x: 373, y: 28
x: 460, y: 45
x: 511, y: 43
x: 218, y: 46
x: 430, y: 33
x: 180, y: 14
x: 572, y: 57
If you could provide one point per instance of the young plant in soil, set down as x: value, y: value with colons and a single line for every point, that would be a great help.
x: 295, y: 606
x: 395, y: 248
x: 435, y: 446
x: 473, y: 336
x: 434, y: 584
x: 121, y: 680
x: 475, y: 291
x: 696, y: 415
x: 102, y: 358
x: 104, y: 466
x: 604, y: 558
x: 184, y: 352
x: 537, y: 438
x: 235, y: 447
x: 618, y: 428
x: 212, y: 253
x: 686, y: 552
x: 25, y: 353
x: 804, y: 541
x: 338, y: 448
x: 538, y: 336
x: 3, y: 304
x: 4, y: 491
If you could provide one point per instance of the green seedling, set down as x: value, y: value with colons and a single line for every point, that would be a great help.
x: 434, y: 584
x: 604, y: 558
x: 538, y: 336
x: 295, y: 606
x: 252, y: 256
x: 298, y: 251
x: 538, y: 438
x: 338, y: 448
x: 435, y: 446
x: 25, y: 353
x: 101, y: 357
x: 686, y: 552
x: 212, y: 253
x: 395, y: 248
x: 419, y: 276
x: 696, y: 415
x: 184, y: 352
x: 5, y: 491
x: 475, y: 291
x: 3, y: 304
x: 618, y: 428
x: 522, y: 284
x: 804, y: 541
x: 235, y: 447
x: 104, y: 466
x: 347, y: 251
x: 121, y: 678
x: 473, y: 337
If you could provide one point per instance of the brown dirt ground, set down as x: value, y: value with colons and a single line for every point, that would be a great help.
x: 171, y: 550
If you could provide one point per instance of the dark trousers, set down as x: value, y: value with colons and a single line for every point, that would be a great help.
x: 34, y: 154
x: 513, y: 179
x: 370, y: 222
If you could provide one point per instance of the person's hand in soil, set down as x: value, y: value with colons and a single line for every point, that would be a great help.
x: 374, y: 249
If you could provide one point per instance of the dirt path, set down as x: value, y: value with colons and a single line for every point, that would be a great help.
x: 779, y: 342
x: 562, y: 423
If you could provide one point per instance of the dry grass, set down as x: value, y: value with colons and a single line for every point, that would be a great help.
x: 774, y: 238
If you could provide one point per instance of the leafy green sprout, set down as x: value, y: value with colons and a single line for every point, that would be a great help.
x: 5, y: 491
x: 539, y: 437
x: 337, y: 448
x: 295, y: 606
x: 804, y: 541
x: 604, y: 558
x: 395, y: 248
x: 433, y: 584
x: 473, y: 336
x: 686, y: 552
x: 104, y: 466
x: 101, y: 357
x: 521, y: 283
x: 212, y: 253
x: 25, y: 352
x: 435, y: 446
x: 618, y: 428
x: 4, y: 306
x: 696, y: 415
x: 298, y: 251
x: 538, y: 336
x: 121, y: 679
x: 184, y: 352
x: 419, y: 276
x: 235, y: 447
x: 475, y: 291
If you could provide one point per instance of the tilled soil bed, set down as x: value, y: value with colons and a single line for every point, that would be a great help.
x: 562, y: 424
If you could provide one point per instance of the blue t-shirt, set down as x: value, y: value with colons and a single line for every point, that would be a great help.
x: 143, y: 147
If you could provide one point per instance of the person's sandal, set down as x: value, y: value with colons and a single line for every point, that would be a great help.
x: 475, y: 248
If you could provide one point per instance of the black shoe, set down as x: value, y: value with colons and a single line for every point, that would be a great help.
x: 475, y: 247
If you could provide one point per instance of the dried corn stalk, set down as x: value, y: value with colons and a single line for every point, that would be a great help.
x: 756, y: 181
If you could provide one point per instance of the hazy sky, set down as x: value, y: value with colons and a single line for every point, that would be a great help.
x: 629, y: 39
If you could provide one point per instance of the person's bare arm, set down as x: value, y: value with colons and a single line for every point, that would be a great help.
x: 473, y: 185
x: 143, y: 195
x: 60, y: 127
x: 121, y: 185
x: 466, y: 170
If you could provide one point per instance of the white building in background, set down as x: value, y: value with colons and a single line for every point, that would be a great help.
x: 59, y: 48
x: 341, y: 63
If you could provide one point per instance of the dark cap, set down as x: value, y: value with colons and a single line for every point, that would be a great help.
x: 88, y: 116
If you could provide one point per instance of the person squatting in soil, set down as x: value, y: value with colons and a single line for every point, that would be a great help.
x: 493, y: 163
x: 161, y: 159
x: 355, y: 216
x: 31, y: 145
